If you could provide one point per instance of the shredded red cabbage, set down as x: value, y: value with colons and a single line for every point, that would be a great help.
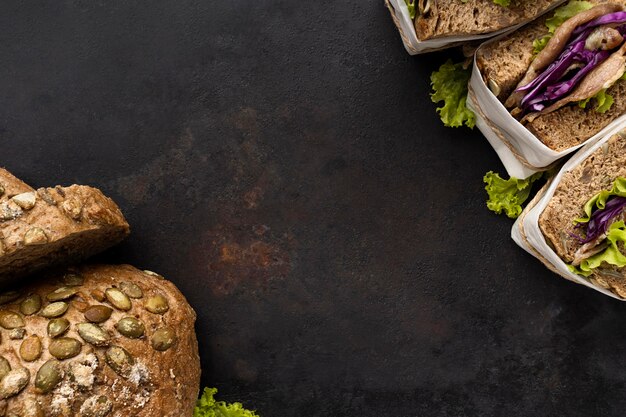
x: 562, y: 88
x: 607, y: 19
x: 601, y: 219
x: 572, y: 65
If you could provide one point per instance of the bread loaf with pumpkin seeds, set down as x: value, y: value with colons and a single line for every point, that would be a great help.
x: 98, y: 341
x: 53, y: 226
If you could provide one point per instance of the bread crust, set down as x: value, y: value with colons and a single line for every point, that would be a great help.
x: 454, y: 17
x: 53, y: 226
x: 160, y: 383
x: 596, y: 173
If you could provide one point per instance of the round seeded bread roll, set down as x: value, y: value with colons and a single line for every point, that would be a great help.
x: 53, y: 226
x: 98, y: 341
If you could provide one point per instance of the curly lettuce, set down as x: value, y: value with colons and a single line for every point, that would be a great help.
x: 207, y: 406
x: 560, y: 15
x: 449, y: 85
x: 508, y: 195
x: 603, y: 100
x: 599, y: 200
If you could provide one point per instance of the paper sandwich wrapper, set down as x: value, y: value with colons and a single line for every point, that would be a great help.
x: 404, y: 23
x: 520, y: 151
x: 526, y: 232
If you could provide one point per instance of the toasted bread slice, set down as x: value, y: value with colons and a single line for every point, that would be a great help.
x: 53, y: 226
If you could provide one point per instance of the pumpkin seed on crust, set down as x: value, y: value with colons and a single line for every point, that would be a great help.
x: 163, y: 339
x: 48, y: 376
x: 10, y: 319
x: 65, y: 348
x: 157, y: 304
x: 31, y: 304
x: 93, y: 334
x: 56, y: 309
x: 131, y: 327
x: 119, y: 360
x: 98, y: 313
x: 118, y: 299
x: 30, y: 349
x: 62, y: 293
x: 57, y: 327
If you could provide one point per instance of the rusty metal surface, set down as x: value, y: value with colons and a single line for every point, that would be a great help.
x: 282, y: 164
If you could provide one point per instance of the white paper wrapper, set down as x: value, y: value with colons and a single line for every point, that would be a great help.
x: 527, y: 234
x: 400, y: 14
x: 521, y: 152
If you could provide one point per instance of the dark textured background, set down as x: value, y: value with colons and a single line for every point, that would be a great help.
x: 282, y: 163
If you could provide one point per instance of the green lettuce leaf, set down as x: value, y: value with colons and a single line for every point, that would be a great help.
x: 611, y: 255
x: 508, y: 195
x: 604, y: 101
x: 599, y: 200
x: 207, y: 406
x: 539, y: 44
x: 449, y: 85
x: 411, y: 5
x: 560, y: 15
x: 566, y: 12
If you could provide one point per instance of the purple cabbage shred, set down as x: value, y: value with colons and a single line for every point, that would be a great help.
x: 561, y: 77
x: 601, y: 220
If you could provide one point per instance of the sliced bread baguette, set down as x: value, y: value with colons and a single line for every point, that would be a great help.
x: 440, y: 18
x: 594, y: 174
x: 53, y: 226
x: 100, y: 340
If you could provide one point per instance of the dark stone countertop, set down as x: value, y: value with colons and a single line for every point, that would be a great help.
x: 281, y: 162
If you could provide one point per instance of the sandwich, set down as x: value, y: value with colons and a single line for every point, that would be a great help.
x: 445, y: 18
x: 581, y: 218
x: 98, y: 341
x: 429, y: 25
x: 562, y: 76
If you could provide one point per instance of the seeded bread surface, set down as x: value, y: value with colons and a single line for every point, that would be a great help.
x: 454, y: 17
x: 157, y: 376
x: 53, y: 226
x: 594, y: 174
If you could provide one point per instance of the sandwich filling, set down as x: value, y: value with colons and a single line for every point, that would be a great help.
x: 602, y: 231
x: 585, y: 56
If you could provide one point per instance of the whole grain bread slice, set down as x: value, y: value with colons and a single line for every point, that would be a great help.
x: 53, y: 226
x: 442, y: 18
x: 596, y: 173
